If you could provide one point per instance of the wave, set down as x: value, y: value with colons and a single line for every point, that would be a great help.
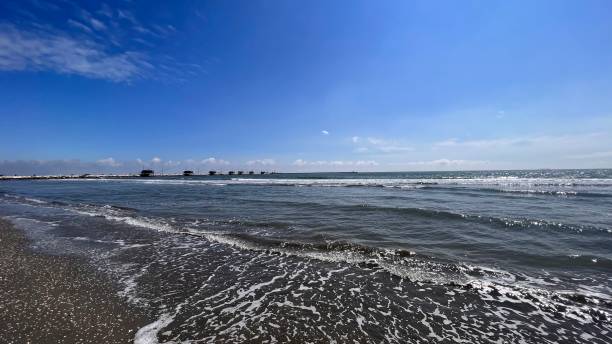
x: 210, y: 230
x: 390, y: 182
x: 557, y: 187
x: 393, y: 182
x: 257, y: 237
x: 500, y: 222
x: 320, y: 248
x: 560, y: 187
x: 546, y: 192
x: 23, y: 199
x: 487, y: 282
x: 503, y: 222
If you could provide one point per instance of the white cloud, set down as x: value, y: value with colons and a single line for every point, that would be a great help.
x: 388, y: 146
x: 492, y: 143
x: 366, y: 163
x: 214, y: 161
x: 373, y: 144
x: 109, y: 162
x: 301, y: 162
x: 540, y: 141
x: 172, y: 163
x: 446, y: 162
x: 127, y: 15
x: 446, y: 143
x: 262, y: 162
x: 443, y: 164
x: 59, y: 52
x: 79, y: 25
x: 98, y: 25
x: 375, y: 141
x: 105, y: 10
x: 324, y: 132
x: 95, y: 23
x: 156, y: 160
x: 101, y: 47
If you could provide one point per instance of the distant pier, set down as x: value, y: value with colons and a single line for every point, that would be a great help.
x: 144, y: 173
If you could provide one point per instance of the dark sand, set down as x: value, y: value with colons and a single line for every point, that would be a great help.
x: 58, y: 299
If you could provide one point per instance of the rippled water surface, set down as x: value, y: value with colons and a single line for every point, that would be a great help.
x: 394, y: 257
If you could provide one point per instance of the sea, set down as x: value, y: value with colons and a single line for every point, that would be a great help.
x: 415, y: 257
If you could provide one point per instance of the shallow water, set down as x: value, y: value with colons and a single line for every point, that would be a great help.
x: 394, y: 257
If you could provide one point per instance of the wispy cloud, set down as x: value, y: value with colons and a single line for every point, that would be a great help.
x: 127, y: 15
x: 109, y: 162
x: 79, y: 25
x: 214, y: 161
x: 22, y: 50
x: 324, y: 132
x: 95, y: 23
x: 446, y: 163
x: 105, y: 43
x: 105, y: 11
x: 379, y: 145
x: 562, y: 140
x: 492, y: 143
x: 262, y: 162
x: 301, y: 162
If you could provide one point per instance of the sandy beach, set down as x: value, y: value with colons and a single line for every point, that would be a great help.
x: 58, y: 299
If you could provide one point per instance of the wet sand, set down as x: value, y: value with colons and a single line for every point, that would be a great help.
x: 58, y: 299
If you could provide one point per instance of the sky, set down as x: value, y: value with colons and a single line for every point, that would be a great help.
x: 292, y: 86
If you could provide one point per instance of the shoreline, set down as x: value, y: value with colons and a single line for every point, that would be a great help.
x: 58, y: 299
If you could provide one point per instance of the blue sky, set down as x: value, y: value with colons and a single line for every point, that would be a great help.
x: 304, y: 85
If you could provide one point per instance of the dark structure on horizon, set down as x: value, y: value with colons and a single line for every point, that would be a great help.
x: 212, y: 173
x: 231, y: 173
x: 187, y: 173
x: 146, y: 173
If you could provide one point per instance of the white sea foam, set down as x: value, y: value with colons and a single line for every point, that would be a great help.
x: 148, y: 334
x: 35, y: 200
x: 553, y: 186
x: 416, y: 270
x: 142, y: 222
x: 345, y: 256
x: 26, y: 222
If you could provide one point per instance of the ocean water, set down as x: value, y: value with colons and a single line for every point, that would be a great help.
x: 438, y: 257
